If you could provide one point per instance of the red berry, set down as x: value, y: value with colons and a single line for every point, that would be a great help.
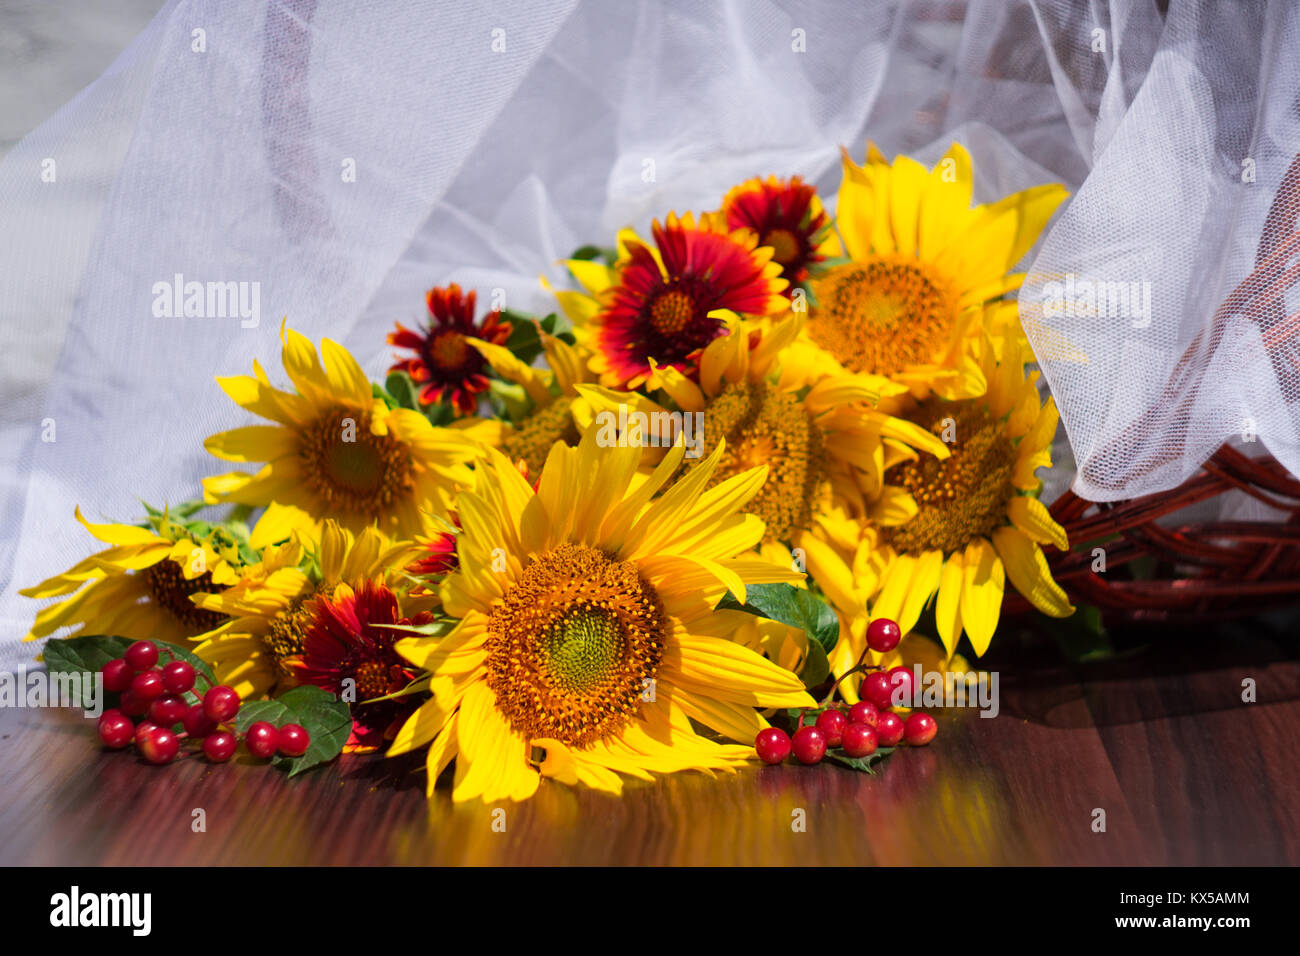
x: 883, y: 635
x: 809, y: 745
x: 262, y: 740
x: 220, y: 747
x: 221, y: 703
x: 919, y: 729
x: 860, y: 740
x: 143, y: 730
x: 117, y: 675
x: 875, y: 688
x: 111, y: 712
x: 902, y: 683
x: 197, y: 723
x: 168, y: 710
x: 889, y: 729
x: 772, y: 744
x: 178, y: 677
x: 832, y: 724
x: 863, y: 712
x: 115, y: 729
x: 294, y: 740
x: 148, y: 685
x: 141, y: 655
x: 161, y: 746
x: 133, y: 705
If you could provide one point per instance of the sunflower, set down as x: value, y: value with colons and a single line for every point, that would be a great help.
x: 587, y: 640
x: 444, y: 365
x: 551, y: 409
x: 656, y: 303
x: 142, y: 586
x: 787, y: 216
x: 265, y: 612
x: 336, y: 450
x: 824, y: 447
x: 926, y: 277
x: 959, y: 527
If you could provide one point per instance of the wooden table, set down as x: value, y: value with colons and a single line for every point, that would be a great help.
x: 1186, y: 772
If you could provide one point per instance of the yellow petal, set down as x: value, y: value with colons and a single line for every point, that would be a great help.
x: 983, y: 579
x: 1032, y: 517
x: 1029, y: 572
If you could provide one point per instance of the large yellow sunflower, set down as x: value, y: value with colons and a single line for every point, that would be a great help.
x: 265, y: 611
x: 143, y: 585
x: 927, y: 274
x: 824, y: 447
x: 959, y: 527
x: 335, y: 450
x: 587, y: 628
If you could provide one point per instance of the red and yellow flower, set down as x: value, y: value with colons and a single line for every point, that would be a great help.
x: 656, y: 301
x: 445, y: 365
x: 787, y: 216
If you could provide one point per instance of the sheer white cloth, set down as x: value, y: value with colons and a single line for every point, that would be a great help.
x: 490, y: 139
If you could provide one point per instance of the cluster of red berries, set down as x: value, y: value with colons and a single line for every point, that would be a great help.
x: 868, y: 725
x: 157, y: 697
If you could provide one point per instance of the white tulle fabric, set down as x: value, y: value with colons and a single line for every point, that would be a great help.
x: 490, y: 139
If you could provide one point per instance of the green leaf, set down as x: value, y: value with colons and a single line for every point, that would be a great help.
x: 797, y: 607
x: 326, y: 718
x: 401, y: 389
x: 524, y: 343
x: 816, y: 668
x: 75, y: 655
x: 863, y: 764
x: 606, y: 254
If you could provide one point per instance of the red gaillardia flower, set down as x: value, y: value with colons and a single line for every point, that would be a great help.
x: 787, y: 216
x: 446, y: 366
x: 347, y: 641
x: 657, y: 303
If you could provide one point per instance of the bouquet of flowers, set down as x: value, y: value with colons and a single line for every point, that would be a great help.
x: 757, y: 473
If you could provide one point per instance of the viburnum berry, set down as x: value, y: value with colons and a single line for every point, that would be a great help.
x: 889, y: 729
x: 141, y: 655
x: 118, y: 675
x: 875, y: 688
x: 262, y: 740
x: 919, y: 729
x: 294, y: 740
x: 148, y: 685
x: 808, y: 745
x: 859, y: 740
x: 220, y: 747
x: 902, y: 683
x: 143, y: 730
x: 178, y: 677
x: 832, y: 723
x: 864, y: 712
x: 115, y: 729
x: 883, y: 635
x: 160, y: 746
x: 198, y: 723
x: 133, y: 705
x: 772, y: 744
x: 168, y: 709
x: 221, y: 703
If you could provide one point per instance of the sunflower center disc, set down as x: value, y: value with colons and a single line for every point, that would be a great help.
x: 171, y: 590
x: 765, y: 426
x: 882, y: 315
x: 351, y: 468
x: 534, y: 436
x: 574, y: 645
x: 963, y: 497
